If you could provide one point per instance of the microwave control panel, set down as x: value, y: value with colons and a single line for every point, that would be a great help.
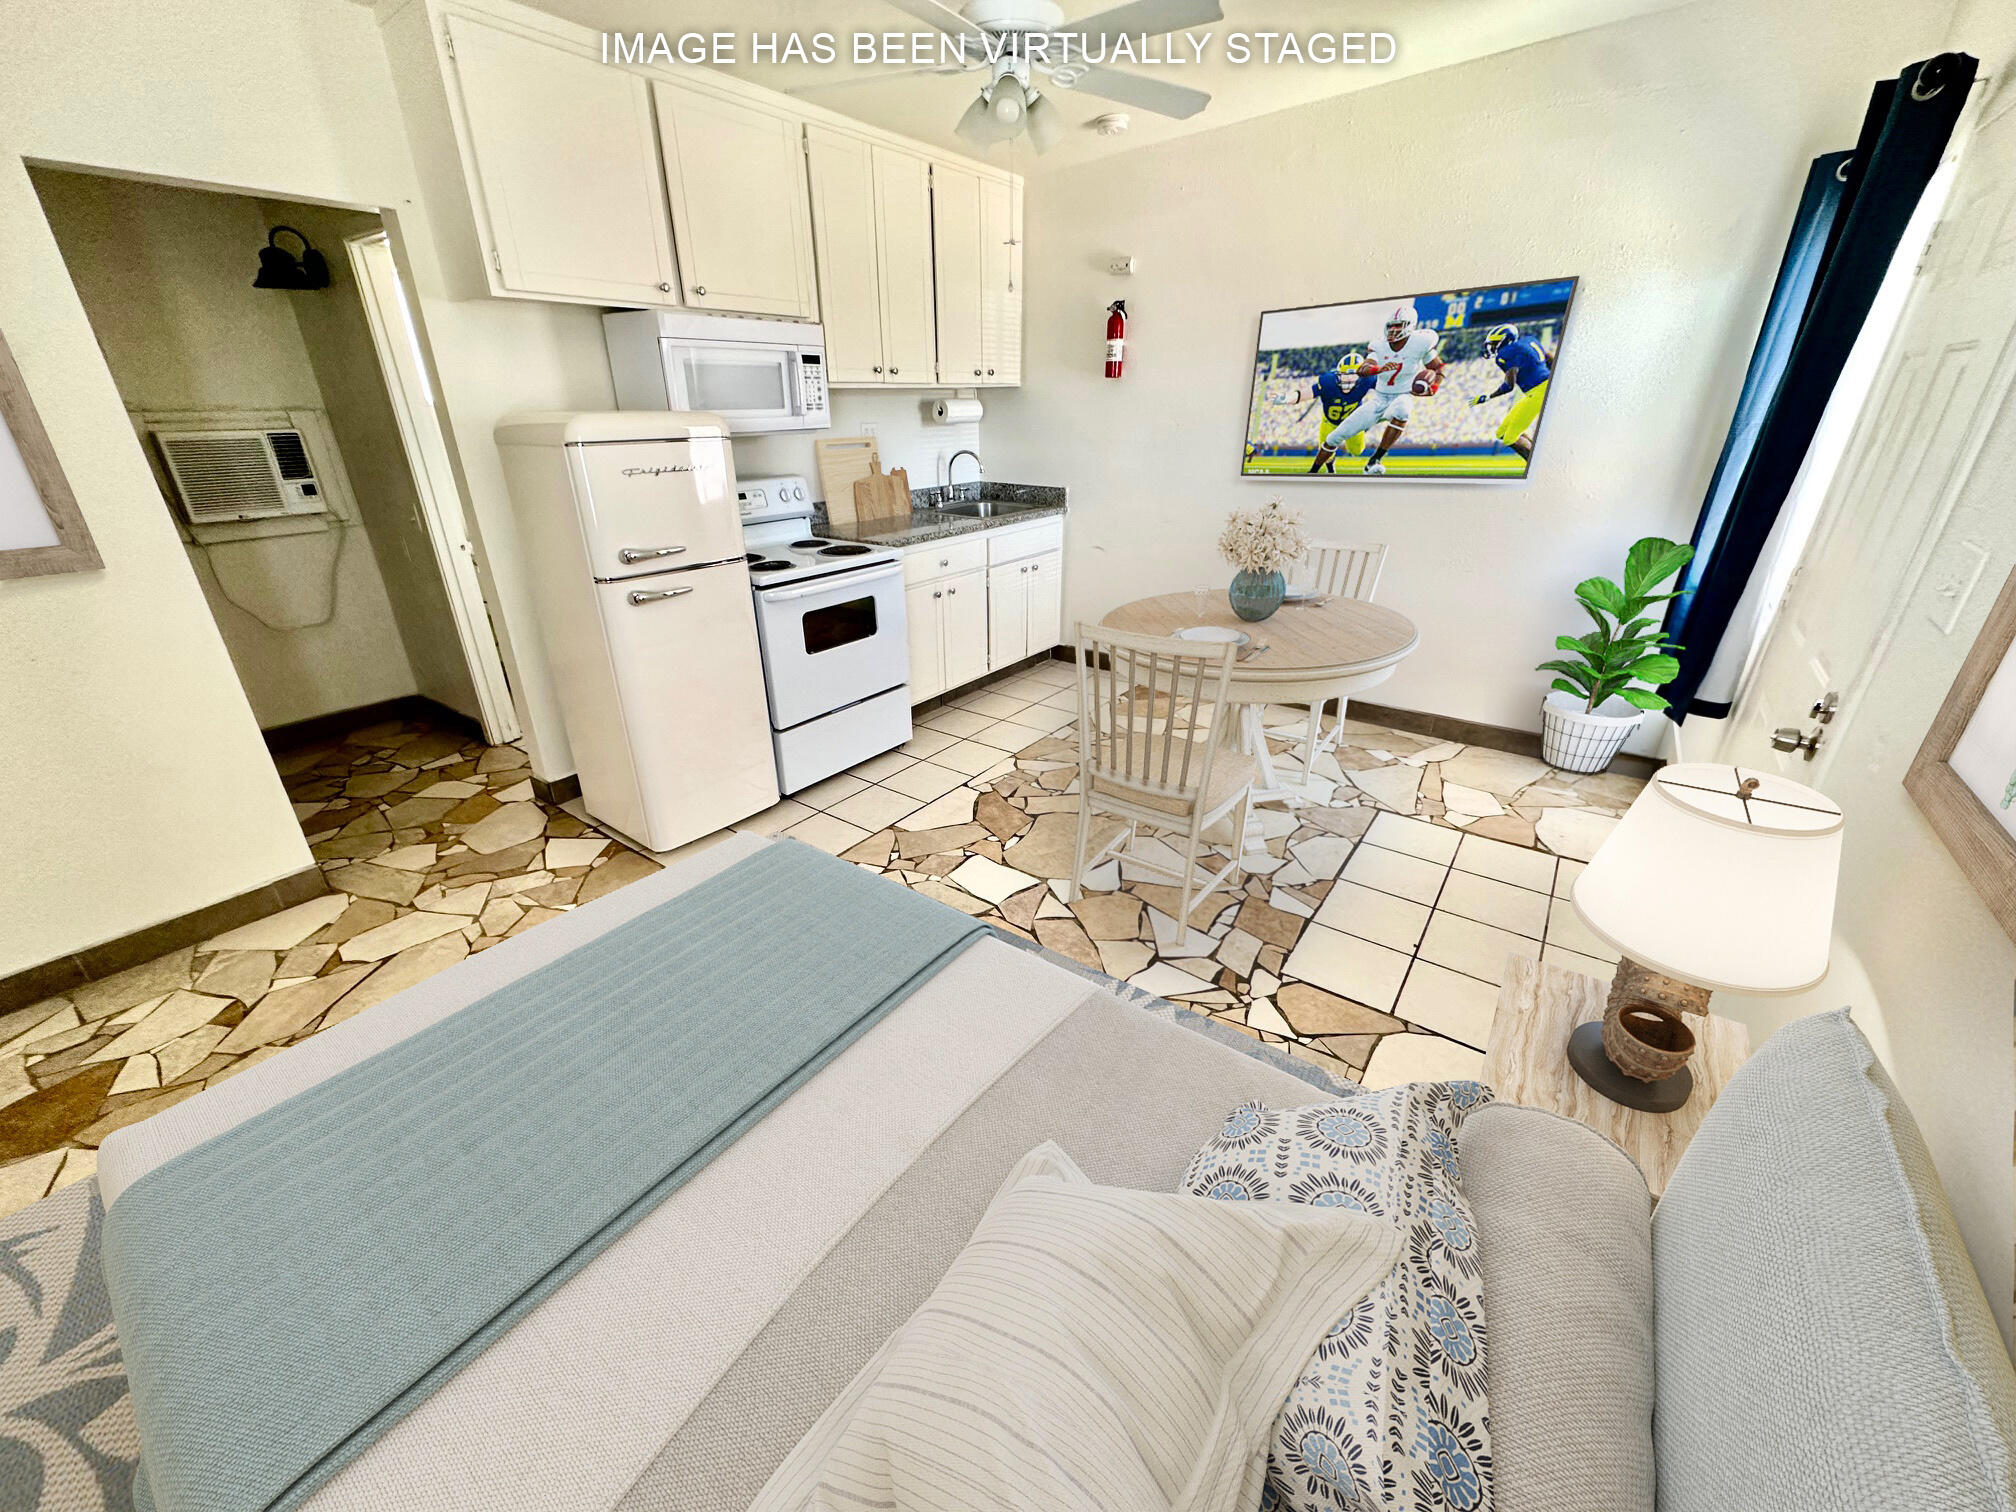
x: 812, y: 382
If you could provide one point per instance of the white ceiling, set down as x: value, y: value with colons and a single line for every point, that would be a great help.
x: 1430, y: 34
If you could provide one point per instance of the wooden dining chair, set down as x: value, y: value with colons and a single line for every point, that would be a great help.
x: 1152, y: 716
x: 1333, y: 569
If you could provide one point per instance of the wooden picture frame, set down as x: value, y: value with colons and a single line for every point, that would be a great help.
x: 31, y: 476
x: 1964, y: 821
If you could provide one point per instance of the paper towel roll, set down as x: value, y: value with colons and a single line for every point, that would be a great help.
x: 957, y: 411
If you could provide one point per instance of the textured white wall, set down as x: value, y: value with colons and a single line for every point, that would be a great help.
x: 1659, y: 159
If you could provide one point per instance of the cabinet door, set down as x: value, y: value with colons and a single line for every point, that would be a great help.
x: 842, y: 172
x: 1046, y: 601
x: 566, y: 168
x: 903, y: 226
x: 965, y: 607
x: 1007, y: 614
x: 741, y: 214
x: 1000, y: 281
x: 924, y: 611
x: 955, y: 223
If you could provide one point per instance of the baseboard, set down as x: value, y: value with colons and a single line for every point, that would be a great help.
x: 1468, y: 731
x: 67, y: 973
x: 560, y: 790
x: 979, y: 684
x: 412, y: 708
x: 1493, y: 737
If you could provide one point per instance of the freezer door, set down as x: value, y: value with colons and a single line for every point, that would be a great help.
x: 696, y: 729
x: 651, y: 506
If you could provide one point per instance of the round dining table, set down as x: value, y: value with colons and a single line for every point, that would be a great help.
x: 1307, y: 652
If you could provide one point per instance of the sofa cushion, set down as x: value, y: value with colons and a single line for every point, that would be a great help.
x: 1823, y: 1341
x: 1564, y: 1231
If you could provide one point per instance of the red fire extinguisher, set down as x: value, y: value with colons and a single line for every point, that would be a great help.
x: 1116, y: 337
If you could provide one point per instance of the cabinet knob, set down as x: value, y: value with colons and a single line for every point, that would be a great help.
x: 944, y: 561
x: 990, y: 371
x: 878, y: 370
x: 939, y: 594
x: 894, y: 371
x: 699, y: 288
x: 953, y: 591
x: 664, y: 288
x: 976, y: 372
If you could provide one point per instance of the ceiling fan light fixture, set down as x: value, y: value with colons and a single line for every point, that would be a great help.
x: 1046, y: 123
x: 1008, y: 104
x: 979, y: 124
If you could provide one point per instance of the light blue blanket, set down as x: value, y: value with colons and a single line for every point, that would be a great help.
x: 289, y: 1290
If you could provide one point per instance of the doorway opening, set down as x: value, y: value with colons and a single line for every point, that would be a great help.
x: 294, y: 436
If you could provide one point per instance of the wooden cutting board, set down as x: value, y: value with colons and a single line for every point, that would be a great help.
x: 882, y: 496
x: 842, y: 460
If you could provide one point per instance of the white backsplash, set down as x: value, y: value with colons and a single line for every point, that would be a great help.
x: 905, y: 435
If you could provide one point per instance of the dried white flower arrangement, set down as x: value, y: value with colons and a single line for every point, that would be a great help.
x: 1263, y: 540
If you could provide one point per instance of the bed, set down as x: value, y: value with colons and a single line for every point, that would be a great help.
x: 677, y: 1366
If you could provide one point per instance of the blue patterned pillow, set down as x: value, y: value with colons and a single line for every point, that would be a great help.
x: 1390, y: 1413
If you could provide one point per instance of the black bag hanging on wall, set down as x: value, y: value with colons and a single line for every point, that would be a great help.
x: 1904, y: 134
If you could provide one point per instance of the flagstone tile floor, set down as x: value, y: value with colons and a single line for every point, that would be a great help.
x: 1368, y: 937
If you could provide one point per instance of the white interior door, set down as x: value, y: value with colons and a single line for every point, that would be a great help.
x: 412, y: 398
x: 1878, y: 531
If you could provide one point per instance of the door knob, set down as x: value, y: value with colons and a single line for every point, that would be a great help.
x: 1824, y: 707
x: 1788, y: 738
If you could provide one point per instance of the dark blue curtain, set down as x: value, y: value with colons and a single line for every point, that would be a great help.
x: 1851, y: 217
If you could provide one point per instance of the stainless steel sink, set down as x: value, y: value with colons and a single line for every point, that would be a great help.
x: 981, y: 509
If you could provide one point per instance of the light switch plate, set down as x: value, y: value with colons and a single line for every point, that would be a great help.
x: 1951, y: 584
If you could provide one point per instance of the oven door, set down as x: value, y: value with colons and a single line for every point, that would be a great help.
x: 833, y: 642
x: 755, y: 388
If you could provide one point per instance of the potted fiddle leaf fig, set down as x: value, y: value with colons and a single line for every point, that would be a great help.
x: 1607, y: 684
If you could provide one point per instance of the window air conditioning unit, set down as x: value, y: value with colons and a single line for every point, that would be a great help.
x: 222, y: 476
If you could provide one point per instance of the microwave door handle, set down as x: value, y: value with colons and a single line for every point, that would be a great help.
x: 828, y: 585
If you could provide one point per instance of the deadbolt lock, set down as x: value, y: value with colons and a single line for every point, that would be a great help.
x: 1788, y: 738
x: 1824, y: 707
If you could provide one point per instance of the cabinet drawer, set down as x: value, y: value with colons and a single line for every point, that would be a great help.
x: 1024, y: 541
x: 943, y: 558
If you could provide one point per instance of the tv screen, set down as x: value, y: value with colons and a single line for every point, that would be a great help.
x: 1450, y: 385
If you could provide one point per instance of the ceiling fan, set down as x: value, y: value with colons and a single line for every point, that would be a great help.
x: 996, y: 35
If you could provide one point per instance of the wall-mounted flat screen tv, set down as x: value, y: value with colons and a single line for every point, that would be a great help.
x: 1450, y: 386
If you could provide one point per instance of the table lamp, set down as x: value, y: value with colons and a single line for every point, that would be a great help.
x: 1716, y: 879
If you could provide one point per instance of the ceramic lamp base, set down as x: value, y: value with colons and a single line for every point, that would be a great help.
x: 1586, y: 1055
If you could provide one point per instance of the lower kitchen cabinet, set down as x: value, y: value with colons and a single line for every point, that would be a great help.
x: 948, y: 632
x: 1025, y: 602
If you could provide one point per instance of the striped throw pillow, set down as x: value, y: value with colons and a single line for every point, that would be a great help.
x: 1091, y: 1348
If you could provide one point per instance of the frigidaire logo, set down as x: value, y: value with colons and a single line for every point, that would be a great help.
x: 652, y: 472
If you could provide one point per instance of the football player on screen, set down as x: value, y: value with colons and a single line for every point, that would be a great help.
x: 1338, y: 395
x: 1525, y: 368
x: 1404, y: 369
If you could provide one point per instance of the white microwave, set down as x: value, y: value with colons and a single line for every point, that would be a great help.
x: 758, y: 375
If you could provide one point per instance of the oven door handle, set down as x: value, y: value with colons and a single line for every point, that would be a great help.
x: 828, y: 585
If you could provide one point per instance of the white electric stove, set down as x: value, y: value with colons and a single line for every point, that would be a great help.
x: 835, y: 645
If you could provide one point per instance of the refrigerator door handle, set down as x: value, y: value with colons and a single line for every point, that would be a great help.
x: 653, y: 595
x: 631, y: 554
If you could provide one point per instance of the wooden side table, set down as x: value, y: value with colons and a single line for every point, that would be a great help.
x: 1527, y: 1063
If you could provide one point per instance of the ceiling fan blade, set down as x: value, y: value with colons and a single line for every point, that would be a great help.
x: 1141, y: 18
x: 943, y: 17
x: 876, y: 78
x: 1172, y: 100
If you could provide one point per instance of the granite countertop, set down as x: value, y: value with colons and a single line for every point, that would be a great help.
x: 1019, y: 503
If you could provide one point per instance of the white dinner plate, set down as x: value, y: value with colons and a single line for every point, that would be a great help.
x: 1218, y: 634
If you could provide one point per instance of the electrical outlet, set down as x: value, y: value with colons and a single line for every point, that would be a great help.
x: 870, y: 428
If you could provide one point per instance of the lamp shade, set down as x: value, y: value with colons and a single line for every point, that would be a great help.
x: 1719, y: 884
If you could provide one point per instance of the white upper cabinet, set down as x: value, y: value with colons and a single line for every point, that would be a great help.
x: 956, y: 222
x: 903, y: 239
x: 570, y: 193
x: 871, y: 225
x: 741, y: 212
x: 1000, y: 281
x: 842, y: 170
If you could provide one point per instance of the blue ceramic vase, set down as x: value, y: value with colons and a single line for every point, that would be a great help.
x: 1255, y: 595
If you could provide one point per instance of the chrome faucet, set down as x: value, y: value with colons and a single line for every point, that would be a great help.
x: 980, y: 468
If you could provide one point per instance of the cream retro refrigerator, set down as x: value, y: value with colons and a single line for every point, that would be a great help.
x: 634, y: 546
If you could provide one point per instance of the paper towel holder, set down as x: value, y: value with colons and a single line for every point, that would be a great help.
x: 957, y: 411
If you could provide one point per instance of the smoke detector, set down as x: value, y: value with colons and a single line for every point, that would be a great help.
x: 1114, y: 123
